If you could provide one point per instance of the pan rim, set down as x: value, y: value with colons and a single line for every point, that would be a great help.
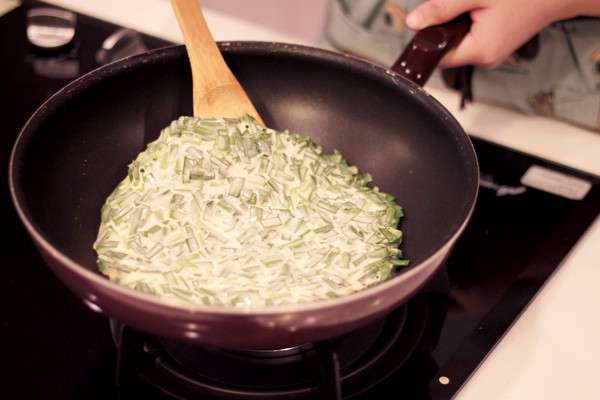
x: 175, y: 309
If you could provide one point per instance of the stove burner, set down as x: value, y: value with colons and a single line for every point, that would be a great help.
x: 281, y: 367
x: 346, y: 366
x: 275, y: 353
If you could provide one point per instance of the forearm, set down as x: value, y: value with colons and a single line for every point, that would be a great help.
x: 588, y: 8
x: 555, y: 10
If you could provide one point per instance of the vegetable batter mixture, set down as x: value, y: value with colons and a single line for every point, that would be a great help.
x: 227, y: 212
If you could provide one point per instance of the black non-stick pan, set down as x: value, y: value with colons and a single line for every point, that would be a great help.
x: 76, y: 147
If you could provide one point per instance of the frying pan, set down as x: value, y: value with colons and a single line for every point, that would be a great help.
x: 75, y: 149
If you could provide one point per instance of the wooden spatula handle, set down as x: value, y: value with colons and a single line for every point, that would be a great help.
x: 216, y: 91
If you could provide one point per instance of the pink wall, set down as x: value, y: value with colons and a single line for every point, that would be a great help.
x: 301, y: 18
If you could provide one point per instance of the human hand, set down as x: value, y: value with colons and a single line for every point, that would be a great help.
x: 499, y: 26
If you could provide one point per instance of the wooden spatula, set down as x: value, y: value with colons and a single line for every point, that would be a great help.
x: 216, y: 91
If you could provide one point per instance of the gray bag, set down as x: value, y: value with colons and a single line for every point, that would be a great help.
x: 560, y: 78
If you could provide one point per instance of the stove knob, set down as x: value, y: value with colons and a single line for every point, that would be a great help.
x: 50, y: 28
x: 120, y: 44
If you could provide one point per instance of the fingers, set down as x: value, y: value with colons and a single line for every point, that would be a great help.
x: 433, y: 12
x: 498, y: 27
x: 469, y: 52
x: 486, y: 45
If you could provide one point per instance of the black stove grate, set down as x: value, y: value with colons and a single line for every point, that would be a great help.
x: 342, y: 368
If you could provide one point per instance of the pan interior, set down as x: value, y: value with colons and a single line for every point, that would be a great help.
x: 75, y: 151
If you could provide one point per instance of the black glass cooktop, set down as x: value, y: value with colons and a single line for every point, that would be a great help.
x: 57, y: 348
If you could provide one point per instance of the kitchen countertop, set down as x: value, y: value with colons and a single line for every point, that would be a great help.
x: 551, y: 351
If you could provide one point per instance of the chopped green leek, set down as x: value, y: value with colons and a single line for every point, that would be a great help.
x: 223, y: 211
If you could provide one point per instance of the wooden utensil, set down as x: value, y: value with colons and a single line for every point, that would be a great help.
x: 216, y: 91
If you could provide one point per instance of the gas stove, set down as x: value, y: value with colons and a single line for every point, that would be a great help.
x: 530, y: 213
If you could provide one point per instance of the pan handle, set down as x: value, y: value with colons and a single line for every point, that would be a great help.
x: 428, y: 47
